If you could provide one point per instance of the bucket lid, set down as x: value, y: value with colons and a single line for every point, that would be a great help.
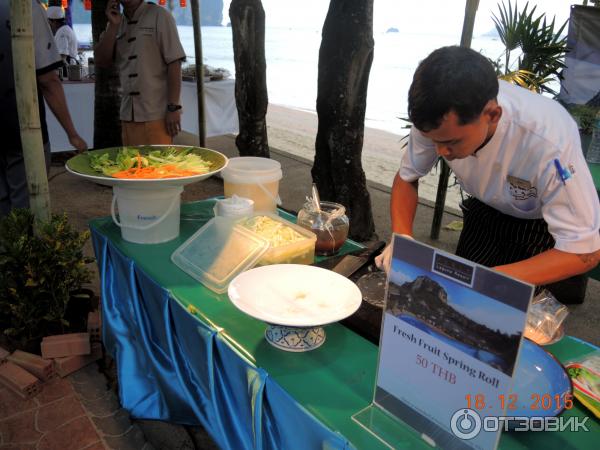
x: 219, y: 251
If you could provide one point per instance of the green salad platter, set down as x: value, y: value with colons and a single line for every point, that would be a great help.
x: 107, y: 166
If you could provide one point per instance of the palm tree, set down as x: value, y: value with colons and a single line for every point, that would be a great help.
x: 542, y: 47
x: 251, y: 97
x: 345, y: 59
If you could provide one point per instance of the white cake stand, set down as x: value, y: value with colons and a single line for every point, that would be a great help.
x: 295, y: 301
x: 149, y: 209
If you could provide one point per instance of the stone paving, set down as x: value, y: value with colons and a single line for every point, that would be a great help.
x: 73, y: 413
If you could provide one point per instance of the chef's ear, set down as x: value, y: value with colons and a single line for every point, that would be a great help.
x: 493, y: 111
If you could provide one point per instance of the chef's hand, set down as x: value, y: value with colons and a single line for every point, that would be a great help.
x: 173, y: 122
x: 383, y: 261
x: 113, y: 12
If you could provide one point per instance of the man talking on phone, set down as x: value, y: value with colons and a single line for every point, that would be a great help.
x: 144, y: 44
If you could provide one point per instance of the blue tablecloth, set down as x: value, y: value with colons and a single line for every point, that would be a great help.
x: 186, y: 355
x: 173, y: 367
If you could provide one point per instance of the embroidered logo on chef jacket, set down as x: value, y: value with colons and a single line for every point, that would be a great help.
x: 521, y: 189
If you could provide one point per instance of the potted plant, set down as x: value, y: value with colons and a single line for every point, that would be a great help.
x: 42, y: 271
x: 585, y: 116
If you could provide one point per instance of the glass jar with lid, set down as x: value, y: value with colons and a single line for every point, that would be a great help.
x: 330, y: 225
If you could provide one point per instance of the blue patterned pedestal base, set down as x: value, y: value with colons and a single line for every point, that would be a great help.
x: 295, y: 339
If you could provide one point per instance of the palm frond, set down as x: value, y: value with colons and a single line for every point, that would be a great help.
x: 540, y: 40
x: 523, y: 78
x: 507, y: 26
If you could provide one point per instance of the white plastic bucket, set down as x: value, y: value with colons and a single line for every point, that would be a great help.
x: 147, y: 216
x: 254, y: 178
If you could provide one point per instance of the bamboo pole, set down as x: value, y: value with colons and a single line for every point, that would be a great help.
x: 195, y: 5
x: 27, y: 107
x: 440, y: 199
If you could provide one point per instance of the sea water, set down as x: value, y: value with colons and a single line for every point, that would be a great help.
x: 292, y: 56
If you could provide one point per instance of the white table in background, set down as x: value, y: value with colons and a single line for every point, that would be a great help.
x: 221, y: 113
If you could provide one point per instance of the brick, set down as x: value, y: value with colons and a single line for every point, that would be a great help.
x: 66, y: 345
x: 94, y: 326
x: 70, y: 364
x: 34, y: 364
x: 19, y: 380
x: 3, y: 355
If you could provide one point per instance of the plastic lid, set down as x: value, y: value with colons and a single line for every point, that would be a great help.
x: 219, y: 251
x: 252, y: 169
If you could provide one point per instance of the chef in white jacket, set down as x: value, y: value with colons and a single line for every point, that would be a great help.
x: 66, y: 40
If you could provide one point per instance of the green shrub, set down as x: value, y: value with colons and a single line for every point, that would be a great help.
x: 585, y: 116
x: 42, y: 270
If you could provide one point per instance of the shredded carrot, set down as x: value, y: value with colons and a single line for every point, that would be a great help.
x: 166, y: 171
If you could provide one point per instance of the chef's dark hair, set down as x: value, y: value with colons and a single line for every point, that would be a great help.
x: 451, y: 79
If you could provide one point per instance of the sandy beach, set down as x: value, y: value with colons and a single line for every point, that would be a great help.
x: 294, y: 131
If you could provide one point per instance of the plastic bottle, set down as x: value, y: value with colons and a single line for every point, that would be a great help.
x: 593, y: 153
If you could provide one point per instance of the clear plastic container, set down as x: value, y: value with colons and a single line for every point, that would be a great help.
x: 218, y: 252
x: 234, y: 207
x: 300, y: 251
x: 330, y: 225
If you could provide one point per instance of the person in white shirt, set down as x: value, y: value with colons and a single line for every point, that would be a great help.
x: 14, y: 192
x: 534, y: 212
x: 66, y: 40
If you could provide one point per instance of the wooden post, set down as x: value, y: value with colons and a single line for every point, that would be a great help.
x: 440, y: 199
x: 195, y: 5
x: 28, y: 109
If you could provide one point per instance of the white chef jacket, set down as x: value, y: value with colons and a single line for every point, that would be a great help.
x: 516, y: 171
x: 66, y: 41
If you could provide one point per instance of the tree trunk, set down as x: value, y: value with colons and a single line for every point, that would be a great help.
x: 345, y: 59
x: 107, y: 102
x: 28, y: 108
x: 248, y: 28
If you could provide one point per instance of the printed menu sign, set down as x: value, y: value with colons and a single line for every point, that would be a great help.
x: 451, y: 336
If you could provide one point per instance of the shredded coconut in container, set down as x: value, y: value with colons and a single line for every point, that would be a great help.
x: 275, y: 232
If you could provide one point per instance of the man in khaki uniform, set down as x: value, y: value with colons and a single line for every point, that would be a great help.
x: 144, y: 44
